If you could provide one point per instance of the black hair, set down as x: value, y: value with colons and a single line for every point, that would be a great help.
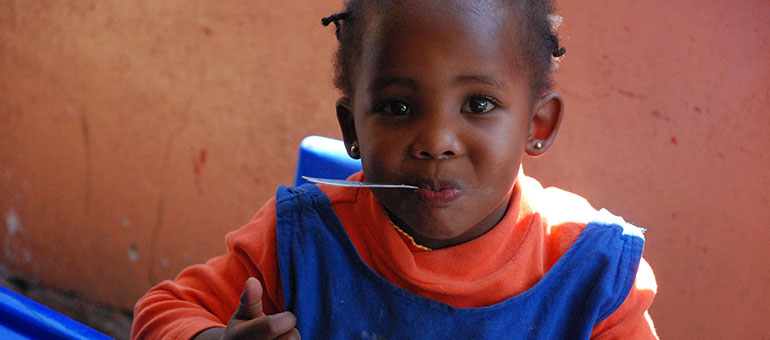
x: 536, y: 35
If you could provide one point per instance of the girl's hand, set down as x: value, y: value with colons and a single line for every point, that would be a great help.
x: 249, y: 322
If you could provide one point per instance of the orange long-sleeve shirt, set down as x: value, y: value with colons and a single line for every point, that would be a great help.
x: 539, y: 227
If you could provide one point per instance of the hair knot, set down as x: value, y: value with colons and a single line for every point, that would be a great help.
x: 335, y: 18
x: 557, y: 51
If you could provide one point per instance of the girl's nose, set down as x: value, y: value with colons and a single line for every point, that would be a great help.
x: 437, y: 138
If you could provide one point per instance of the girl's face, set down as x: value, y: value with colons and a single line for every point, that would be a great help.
x: 442, y: 101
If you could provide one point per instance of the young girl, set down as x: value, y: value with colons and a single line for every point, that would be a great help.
x: 446, y: 96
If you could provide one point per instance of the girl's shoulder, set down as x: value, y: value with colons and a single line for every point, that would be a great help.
x: 565, y: 215
x: 562, y: 214
x: 554, y: 205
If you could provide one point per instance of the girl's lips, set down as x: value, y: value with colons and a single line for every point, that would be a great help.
x: 438, y: 192
x: 437, y: 197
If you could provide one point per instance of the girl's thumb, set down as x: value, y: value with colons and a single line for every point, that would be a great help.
x: 250, y: 306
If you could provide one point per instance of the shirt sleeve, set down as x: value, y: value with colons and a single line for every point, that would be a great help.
x: 632, y: 319
x: 204, y: 296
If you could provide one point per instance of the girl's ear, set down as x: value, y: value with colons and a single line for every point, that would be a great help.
x: 546, y: 117
x: 348, y: 126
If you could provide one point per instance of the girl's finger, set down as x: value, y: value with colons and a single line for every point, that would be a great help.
x: 250, y: 306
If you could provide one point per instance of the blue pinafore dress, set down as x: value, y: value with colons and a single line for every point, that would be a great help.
x: 335, y: 295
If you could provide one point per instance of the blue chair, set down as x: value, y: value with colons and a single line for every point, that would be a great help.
x: 23, y: 319
x: 325, y: 158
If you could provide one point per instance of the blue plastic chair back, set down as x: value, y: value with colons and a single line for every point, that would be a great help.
x: 23, y: 319
x: 325, y: 158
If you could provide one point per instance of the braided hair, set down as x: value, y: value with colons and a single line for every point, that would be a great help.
x: 541, y: 48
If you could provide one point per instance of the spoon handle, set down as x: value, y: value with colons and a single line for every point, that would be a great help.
x: 344, y: 183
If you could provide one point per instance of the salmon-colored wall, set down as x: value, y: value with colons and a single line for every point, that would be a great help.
x: 667, y: 125
x: 133, y: 136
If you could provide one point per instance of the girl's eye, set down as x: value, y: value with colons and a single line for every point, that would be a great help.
x: 395, y: 108
x: 478, y: 105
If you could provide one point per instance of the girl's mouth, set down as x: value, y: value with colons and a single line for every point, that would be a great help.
x: 438, y: 193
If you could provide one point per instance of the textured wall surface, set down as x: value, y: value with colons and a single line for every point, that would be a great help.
x: 134, y: 135
x: 667, y: 125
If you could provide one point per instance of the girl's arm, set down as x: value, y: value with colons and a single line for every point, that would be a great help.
x: 206, y: 296
x: 632, y: 320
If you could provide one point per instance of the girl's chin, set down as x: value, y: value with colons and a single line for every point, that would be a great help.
x: 433, y: 225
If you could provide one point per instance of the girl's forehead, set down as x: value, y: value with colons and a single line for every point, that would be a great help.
x: 439, y: 47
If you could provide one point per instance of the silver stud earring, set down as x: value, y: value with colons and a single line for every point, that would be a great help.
x: 354, y: 149
x: 538, y: 145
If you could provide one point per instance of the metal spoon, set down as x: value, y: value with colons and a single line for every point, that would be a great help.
x: 344, y: 183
